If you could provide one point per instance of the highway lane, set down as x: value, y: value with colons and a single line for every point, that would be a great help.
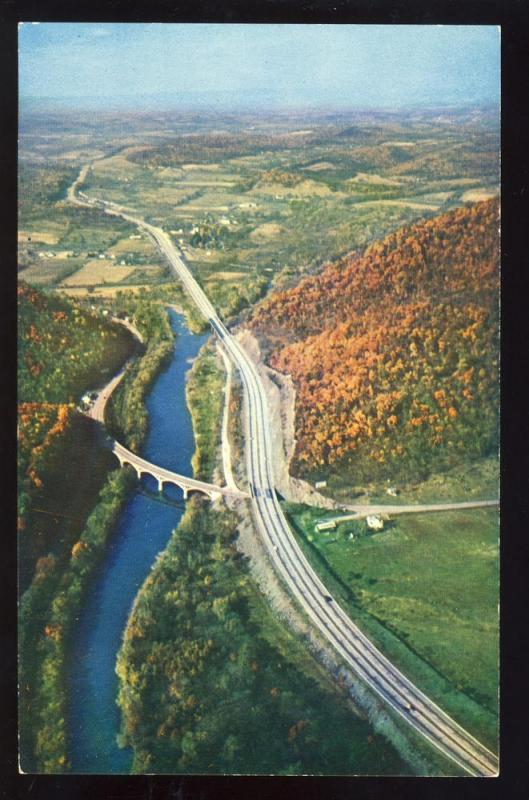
x: 354, y: 647
x: 325, y: 613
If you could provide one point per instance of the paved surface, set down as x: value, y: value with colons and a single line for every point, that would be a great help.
x: 163, y: 476
x: 304, y: 584
x: 360, y: 511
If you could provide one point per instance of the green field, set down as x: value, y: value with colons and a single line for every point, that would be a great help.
x: 474, y: 480
x: 425, y: 589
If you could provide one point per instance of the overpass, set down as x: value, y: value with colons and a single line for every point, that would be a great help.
x: 164, y: 476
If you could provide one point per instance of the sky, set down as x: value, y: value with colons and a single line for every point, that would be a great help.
x: 142, y: 65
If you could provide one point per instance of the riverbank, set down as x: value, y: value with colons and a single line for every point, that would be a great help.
x: 140, y: 533
x: 55, y: 504
x: 127, y: 416
x: 50, y: 607
x: 50, y: 707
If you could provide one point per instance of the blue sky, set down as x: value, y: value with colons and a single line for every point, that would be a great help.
x: 346, y: 66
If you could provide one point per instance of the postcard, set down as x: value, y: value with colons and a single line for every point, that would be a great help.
x: 258, y: 399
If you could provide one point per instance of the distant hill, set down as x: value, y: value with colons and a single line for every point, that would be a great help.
x: 394, y: 353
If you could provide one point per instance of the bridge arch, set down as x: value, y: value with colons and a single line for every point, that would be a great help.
x: 164, y: 476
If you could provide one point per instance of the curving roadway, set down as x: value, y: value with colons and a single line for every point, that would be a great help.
x: 356, y: 650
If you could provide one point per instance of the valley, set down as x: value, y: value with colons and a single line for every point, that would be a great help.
x: 357, y: 248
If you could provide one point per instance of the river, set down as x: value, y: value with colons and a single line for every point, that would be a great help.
x: 143, y: 530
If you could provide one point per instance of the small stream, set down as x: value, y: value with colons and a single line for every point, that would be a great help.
x: 143, y: 530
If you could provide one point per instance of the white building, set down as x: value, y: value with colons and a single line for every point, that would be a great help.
x: 326, y: 526
x: 375, y: 522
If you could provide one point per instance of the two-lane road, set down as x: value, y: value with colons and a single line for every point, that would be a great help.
x: 361, y: 656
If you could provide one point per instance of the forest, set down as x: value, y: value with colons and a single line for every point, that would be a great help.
x: 203, y: 692
x: 64, y: 350
x: 127, y: 416
x: 394, y: 352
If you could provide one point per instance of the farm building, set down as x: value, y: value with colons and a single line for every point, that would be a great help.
x: 375, y: 522
x: 326, y: 526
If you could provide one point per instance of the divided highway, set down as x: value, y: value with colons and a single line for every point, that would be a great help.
x: 356, y: 650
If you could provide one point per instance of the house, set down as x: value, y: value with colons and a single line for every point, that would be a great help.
x: 320, y: 484
x: 392, y: 491
x: 375, y: 522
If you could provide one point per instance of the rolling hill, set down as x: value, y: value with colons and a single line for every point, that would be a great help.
x: 394, y: 352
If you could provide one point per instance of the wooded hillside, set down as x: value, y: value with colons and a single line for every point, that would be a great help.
x: 63, y: 350
x: 394, y: 353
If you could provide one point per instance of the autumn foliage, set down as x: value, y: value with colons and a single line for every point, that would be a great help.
x: 394, y: 353
x: 39, y: 426
x: 61, y: 347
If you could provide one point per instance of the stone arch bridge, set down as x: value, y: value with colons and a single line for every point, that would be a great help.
x: 163, y: 476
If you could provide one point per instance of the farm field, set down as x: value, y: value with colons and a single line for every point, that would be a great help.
x: 426, y: 590
x: 101, y: 271
x: 48, y: 272
x: 267, y: 199
x: 281, y: 202
x: 96, y: 272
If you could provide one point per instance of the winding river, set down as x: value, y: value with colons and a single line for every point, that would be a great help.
x: 143, y: 530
